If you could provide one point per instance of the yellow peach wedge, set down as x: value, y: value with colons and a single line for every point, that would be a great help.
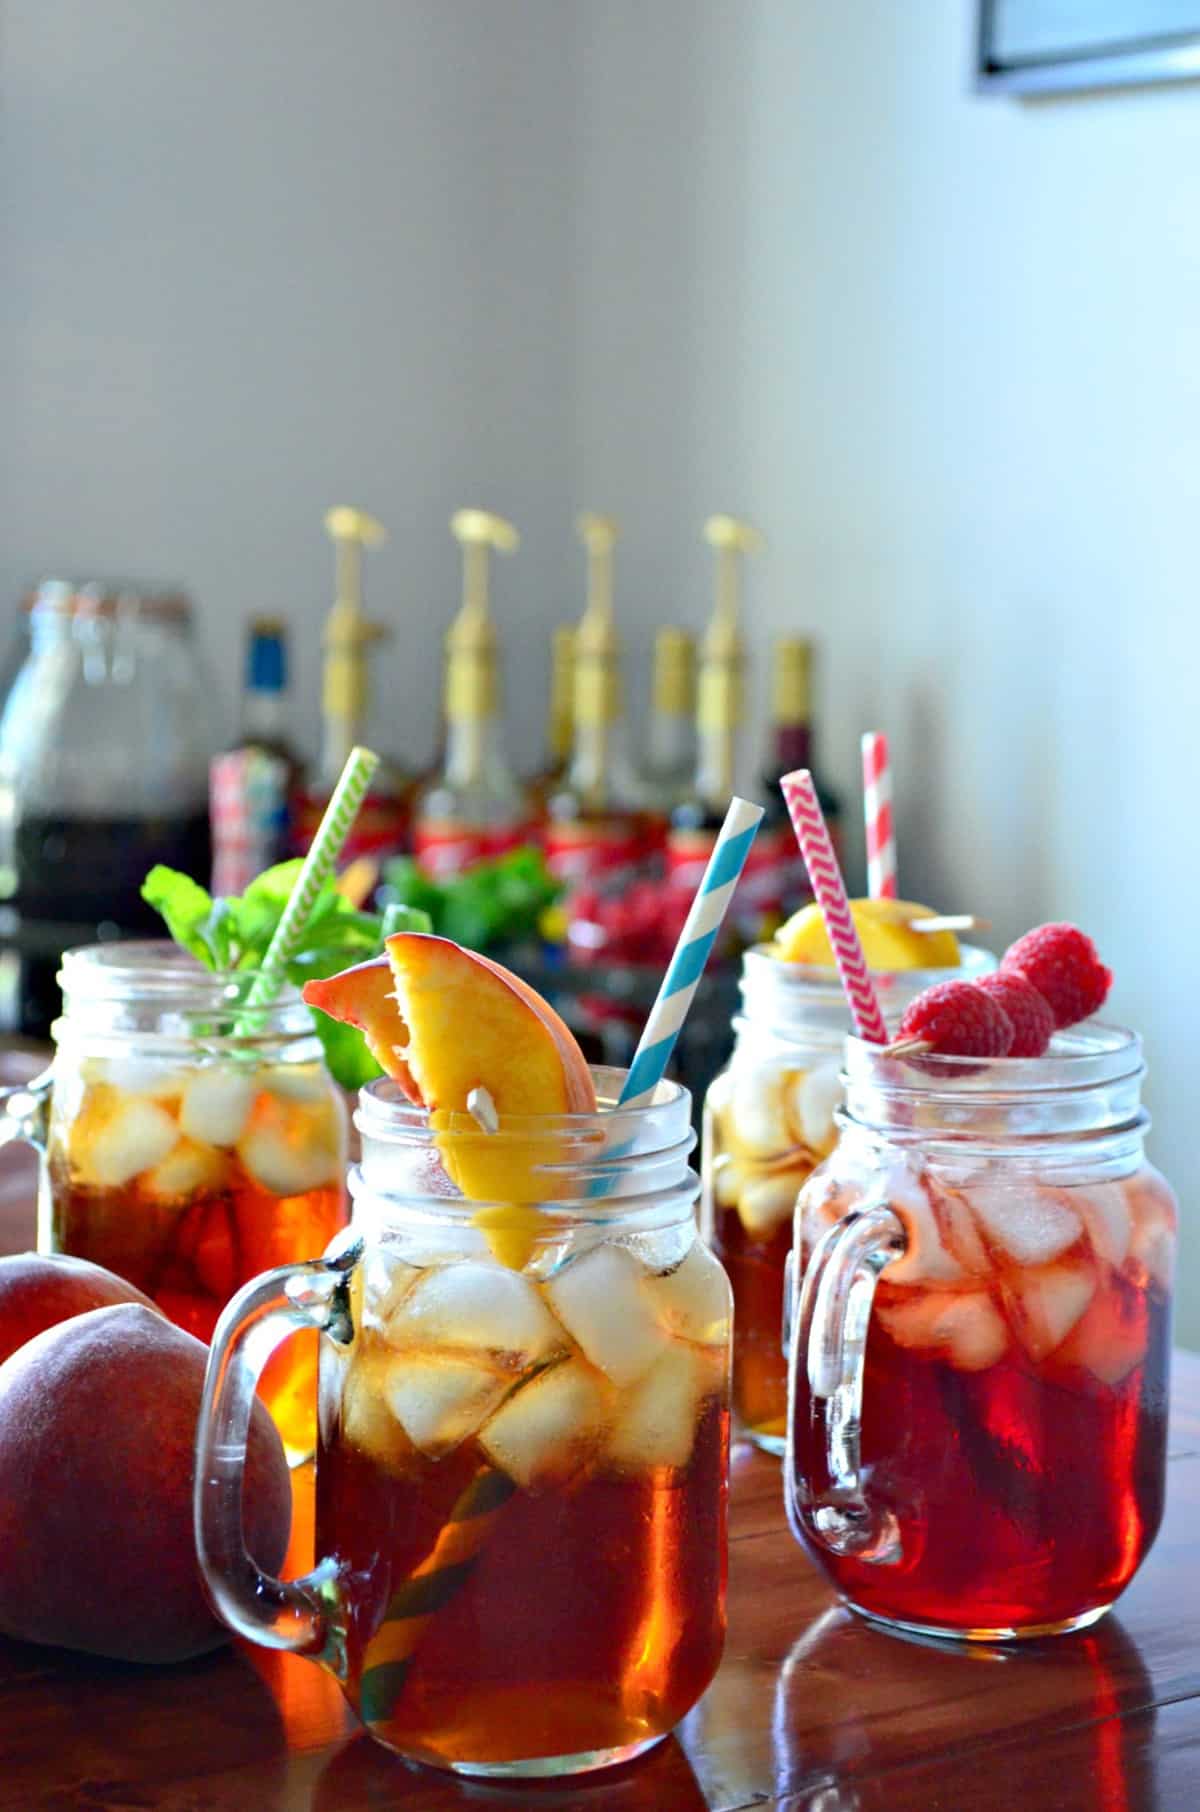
x: 365, y: 996
x: 446, y: 1022
x: 885, y: 931
x: 474, y: 1025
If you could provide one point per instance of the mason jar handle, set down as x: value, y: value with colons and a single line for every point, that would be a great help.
x: 299, y: 1614
x: 25, y: 1111
x: 830, y: 1312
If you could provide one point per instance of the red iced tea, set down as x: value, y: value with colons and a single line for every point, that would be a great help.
x: 1005, y: 1474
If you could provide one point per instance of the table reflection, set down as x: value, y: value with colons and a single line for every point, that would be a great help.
x: 860, y: 1714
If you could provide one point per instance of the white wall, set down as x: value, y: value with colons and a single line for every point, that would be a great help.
x: 262, y: 258
x: 660, y: 258
x: 945, y: 349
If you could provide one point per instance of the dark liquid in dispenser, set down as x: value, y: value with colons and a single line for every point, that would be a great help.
x: 74, y: 880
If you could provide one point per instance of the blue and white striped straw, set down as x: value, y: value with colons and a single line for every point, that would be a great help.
x: 697, y: 938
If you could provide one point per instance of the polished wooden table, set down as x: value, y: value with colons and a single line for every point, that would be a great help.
x: 812, y: 1711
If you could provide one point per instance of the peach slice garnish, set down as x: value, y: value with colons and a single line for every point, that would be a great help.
x: 365, y: 996
x: 444, y: 1021
x: 474, y: 1025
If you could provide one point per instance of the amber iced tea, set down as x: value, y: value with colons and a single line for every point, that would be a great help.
x: 768, y: 1120
x: 531, y: 1472
x: 190, y: 1180
x: 765, y: 1128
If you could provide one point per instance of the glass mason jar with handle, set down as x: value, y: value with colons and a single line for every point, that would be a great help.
x: 981, y: 1336
x: 768, y: 1119
x: 521, y: 1473
x: 187, y: 1147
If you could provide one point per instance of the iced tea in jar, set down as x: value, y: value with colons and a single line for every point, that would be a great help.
x: 981, y: 1333
x: 768, y: 1120
x: 189, y: 1146
x: 522, y: 1459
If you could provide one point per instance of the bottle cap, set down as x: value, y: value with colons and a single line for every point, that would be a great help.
x: 266, y: 656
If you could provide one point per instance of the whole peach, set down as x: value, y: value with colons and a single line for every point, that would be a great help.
x: 97, y: 1429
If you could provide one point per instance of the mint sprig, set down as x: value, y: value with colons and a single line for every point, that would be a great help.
x: 230, y: 935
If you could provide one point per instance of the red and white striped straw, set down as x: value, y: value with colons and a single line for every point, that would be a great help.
x: 829, y: 888
x: 877, y: 804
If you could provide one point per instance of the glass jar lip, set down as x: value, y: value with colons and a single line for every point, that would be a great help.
x: 612, y: 1166
x: 1086, y: 1055
x: 815, y: 980
x: 385, y: 1113
x: 90, y: 599
x: 158, y: 969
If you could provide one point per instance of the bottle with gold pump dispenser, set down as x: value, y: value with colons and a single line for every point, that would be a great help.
x: 595, y: 824
x: 475, y: 807
x: 560, y: 718
x: 719, y: 706
x: 669, y: 763
x: 382, y: 823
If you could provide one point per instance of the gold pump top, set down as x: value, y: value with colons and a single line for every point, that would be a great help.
x: 731, y: 538
x: 597, y: 632
x: 348, y: 633
x: 722, y: 651
x: 674, y: 672
x: 471, y: 692
x: 597, y: 645
x: 791, y: 682
x: 561, y: 714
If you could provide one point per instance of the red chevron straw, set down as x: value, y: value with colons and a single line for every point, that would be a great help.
x: 877, y: 805
x: 829, y: 888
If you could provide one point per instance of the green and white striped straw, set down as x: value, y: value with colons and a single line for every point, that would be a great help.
x: 319, y: 864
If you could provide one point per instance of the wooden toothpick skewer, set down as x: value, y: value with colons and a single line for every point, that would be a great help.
x: 950, y: 921
x: 907, y: 1047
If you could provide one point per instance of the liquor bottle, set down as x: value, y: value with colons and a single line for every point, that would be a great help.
x: 699, y: 816
x: 475, y: 807
x: 792, y: 745
x: 251, y: 783
x: 595, y: 825
x: 560, y: 718
x: 265, y: 706
x: 670, y: 758
x: 381, y: 826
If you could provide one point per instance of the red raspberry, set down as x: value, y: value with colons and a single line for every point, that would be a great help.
x: 958, y: 1018
x: 1064, y: 966
x: 1030, y: 1012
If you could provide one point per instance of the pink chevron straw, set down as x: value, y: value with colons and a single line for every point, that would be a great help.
x: 826, y: 877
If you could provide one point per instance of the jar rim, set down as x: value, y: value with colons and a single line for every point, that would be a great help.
x: 816, y: 979
x: 157, y: 968
x: 90, y: 599
x: 1082, y: 1056
x: 159, y: 996
x: 614, y: 1165
x: 386, y: 1113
